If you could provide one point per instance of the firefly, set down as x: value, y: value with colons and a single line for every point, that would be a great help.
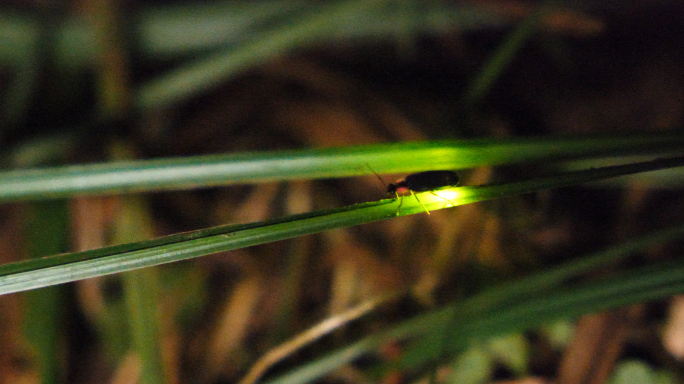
x: 428, y: 181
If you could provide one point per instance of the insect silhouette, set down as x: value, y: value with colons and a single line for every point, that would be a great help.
x: 427, y: 181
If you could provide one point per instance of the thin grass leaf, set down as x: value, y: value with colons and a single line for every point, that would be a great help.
x: 195, y: 78
x: 502, y: 57
x: 47, y: 233
x: 141, y: 291
x: 20, y: 50
x: 203, y: 171
x: 634, y: 286
x: 299, y: 24
x: 543, y: 306
x: 173, y: 31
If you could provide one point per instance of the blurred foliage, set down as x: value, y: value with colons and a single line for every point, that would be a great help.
x: 206, y: 94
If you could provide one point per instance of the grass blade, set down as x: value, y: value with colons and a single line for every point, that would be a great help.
x: 487, y: 317
x: 193, y: 172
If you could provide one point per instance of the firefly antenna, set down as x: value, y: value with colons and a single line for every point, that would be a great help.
x: 376, y: 175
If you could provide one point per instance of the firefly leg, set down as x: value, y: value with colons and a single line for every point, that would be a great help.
x: 401, y: 201
x: 421, y: 203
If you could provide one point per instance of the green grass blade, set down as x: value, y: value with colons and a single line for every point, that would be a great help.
x: 505, y: 294
x: 193, y: 172
x: 141, y: 291
x: 483, y: 82
x: 47, y: 233
x: 173, y: 31
x: 485, y: 320
x: 169, y: 31
x: 32, y: 274
x: 643, y: 284
x: 196, y: 78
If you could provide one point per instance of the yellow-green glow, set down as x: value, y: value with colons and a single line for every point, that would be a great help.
x: 451, y: 194
x: 430, y: 201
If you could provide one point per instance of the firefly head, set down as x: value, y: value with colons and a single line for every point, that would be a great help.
x: 400, y: 188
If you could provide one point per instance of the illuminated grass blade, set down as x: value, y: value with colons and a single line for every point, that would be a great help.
x: 204, y: 171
